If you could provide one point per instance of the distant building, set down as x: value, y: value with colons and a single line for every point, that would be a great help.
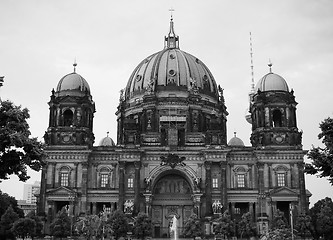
x: 29, y: 192
x: 172, y: 157
x: 26, y: 207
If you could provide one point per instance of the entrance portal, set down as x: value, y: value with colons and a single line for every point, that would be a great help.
x: 171, y: 197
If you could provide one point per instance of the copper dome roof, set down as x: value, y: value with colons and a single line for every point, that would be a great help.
x: 272, y: 82
x: 73, y: 83
x: 171, y: 70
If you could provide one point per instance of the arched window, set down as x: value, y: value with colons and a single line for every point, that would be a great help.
x: 130, y: 182
x: 104, y: 177
x: 64, y: 176
x: 277, y: 118
x: 281, y: 175
x: 68, y: 118
x: 241, y: 177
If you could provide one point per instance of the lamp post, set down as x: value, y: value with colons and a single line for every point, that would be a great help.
x: 103, y: 220
x: 291, y: 220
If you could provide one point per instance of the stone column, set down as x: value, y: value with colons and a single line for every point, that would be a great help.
x: 42, y: 201
x: 208, y: 186
x: 251, y: 210
x: 95, y: 176
x: 75, y: 175
x: 121, y: 198
x: 261, y: 187
x: 137, y: 188
x: 84, y: 187
x: 302, y: 191
x: 94, y: 210
x: 250, y: 185
x: 53, y: 174
x: 224, y: 189
x: 232, y: 214
x: 269, y: 175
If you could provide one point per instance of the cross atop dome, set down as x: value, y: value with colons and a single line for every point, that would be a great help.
x: 172, y: 40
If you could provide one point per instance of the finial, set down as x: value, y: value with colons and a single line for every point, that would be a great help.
x: 235, y: 134
x: 172, y: 40
x: 270, y: 64
x: 74, y: 65
x: 107, y: 134
x: 252, y: 72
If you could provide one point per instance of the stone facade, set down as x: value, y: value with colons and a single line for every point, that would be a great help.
x: 172, y: 157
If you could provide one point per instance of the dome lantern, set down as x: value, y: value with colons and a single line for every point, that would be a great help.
x: 172, y: 40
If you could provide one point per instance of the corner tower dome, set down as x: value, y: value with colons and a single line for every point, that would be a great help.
x: 171, y: 70
x: 272, y: 82
x: 72, y: 82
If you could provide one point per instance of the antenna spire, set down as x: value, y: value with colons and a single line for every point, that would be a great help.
x: 171, y: 10
x: 252, y: 72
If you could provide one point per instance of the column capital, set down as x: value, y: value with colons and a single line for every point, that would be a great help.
x: 122, y: 165
x: 137, y: 165
x: 300, y: 165
x: 223, y: 164
x: 208, y: 165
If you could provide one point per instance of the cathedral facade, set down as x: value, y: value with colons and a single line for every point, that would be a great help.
x: 172, y: 157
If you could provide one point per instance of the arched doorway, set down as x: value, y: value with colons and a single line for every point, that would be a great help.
x: 172, y: 196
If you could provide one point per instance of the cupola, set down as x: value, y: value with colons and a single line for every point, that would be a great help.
x: 273, y: 113
x: 71, y: 112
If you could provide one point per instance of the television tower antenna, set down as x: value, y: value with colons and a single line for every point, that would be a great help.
x: 252, y: 71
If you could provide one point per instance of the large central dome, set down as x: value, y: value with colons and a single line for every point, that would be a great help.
x: 171, y: 99
x: 171, y: 70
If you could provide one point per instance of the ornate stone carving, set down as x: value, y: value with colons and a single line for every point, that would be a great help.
x: 172, y: 160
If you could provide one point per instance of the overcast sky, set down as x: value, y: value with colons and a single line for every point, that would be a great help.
x: 39, y: 41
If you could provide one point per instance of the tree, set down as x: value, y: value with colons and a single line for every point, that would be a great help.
x: 192, y: 227
x: 225, y: 226
x: 279, y: 221
x: 39, y: 224
x: 24, y: 227
x: 89, y: 226
x: 142, y: 226
x: 279, y: 229
x: 322, y: 219
x: 6, y: 201
x: 61, y: 225
x: 322, y: 158
x: 279, y: 234
x: 246, y: 226
x: 118, y: 224
x: 303, y: 225
x: 17, y: 149
x: 6, y: 223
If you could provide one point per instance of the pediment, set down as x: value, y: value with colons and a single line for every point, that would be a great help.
x: 68, y: 99
x: 283, y: 191
x: 61, y: 191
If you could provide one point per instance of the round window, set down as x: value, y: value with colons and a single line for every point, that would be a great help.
x: 172, y: 72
